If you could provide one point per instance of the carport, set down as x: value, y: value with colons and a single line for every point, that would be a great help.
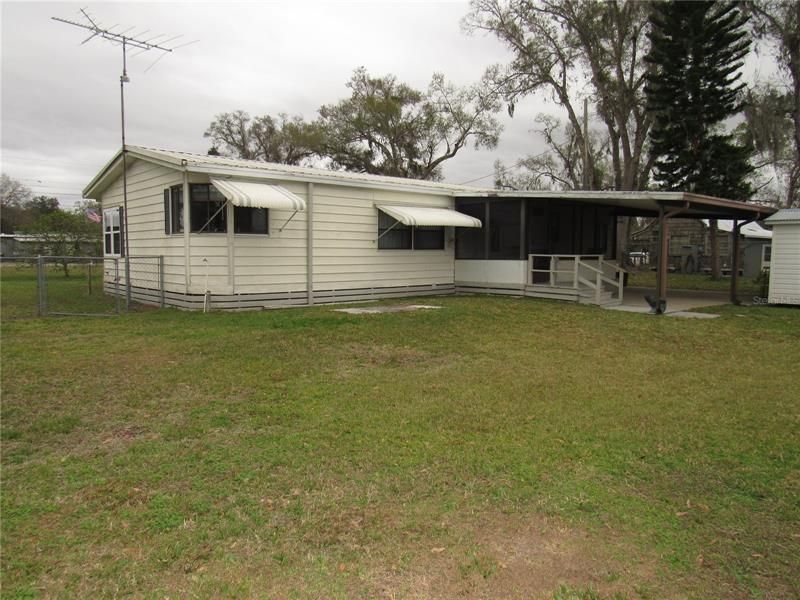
x: 562, y: 245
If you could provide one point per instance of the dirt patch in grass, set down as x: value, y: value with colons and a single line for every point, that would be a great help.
x: 530, y: 556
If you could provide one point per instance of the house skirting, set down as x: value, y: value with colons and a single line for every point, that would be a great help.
x: 257, y: 301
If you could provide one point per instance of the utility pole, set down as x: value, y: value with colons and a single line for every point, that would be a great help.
x: 586, y: 179
x: 126, y: 42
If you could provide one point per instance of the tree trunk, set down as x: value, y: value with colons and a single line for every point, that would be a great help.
x: 623, y: 241
x: 712, y: 231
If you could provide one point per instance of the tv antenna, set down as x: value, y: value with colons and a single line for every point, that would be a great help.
x: 127, y: 41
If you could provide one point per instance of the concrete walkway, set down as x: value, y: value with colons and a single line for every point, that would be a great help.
x: 679, y: 303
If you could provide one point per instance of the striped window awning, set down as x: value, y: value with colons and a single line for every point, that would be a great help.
x: 416, y: 216
x: 258, y: 195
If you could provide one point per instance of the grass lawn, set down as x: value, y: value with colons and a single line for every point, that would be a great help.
x: 496, y: 447
x: 697, y: 281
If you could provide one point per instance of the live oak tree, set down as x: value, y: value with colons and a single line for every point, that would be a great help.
x: 559, y: 46
x: 778, y: 22
x: 697, y: 51
x: 384, y: 127
x: 562, y: 166
x: 768, y: 127
x: 14, y: 196
x: 387, y: 127
x: 281, y: 139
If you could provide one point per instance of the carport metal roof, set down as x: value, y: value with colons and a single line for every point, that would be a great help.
x: 644, y: 204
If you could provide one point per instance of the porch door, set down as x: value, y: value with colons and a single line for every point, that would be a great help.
x: 538, y: 240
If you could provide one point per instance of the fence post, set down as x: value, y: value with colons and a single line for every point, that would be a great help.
x: 40, y: 286
x: 161, y: 280
x: 127, y: 283
x: 116, y: 282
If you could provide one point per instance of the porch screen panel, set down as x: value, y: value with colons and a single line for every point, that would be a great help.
x: 471, y: 242
x: 562, y: 224
x: 537, y: 229
x: 504, y: 230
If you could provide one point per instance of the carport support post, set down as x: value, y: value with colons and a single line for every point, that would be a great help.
x: 663, y: 261
x: 735, y: 263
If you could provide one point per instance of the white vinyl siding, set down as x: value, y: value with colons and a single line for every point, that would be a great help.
x: 262, y: 263
x: 784, y: 274
x: 146, y: 237
x: 346, y: 253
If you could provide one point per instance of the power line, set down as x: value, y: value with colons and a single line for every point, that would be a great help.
x: 46, y: 160
x: 504, y: 169
x: 53, y: 193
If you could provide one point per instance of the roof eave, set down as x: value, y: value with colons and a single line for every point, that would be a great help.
x: 113, y: 168
x: 262, y: 174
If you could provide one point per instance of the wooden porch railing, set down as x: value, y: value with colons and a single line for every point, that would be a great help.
x: 575, y: 271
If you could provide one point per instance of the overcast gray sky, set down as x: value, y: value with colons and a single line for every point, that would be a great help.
x: 60, y: 100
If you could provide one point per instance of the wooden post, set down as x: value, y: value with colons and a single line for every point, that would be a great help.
x: 735, y: 263
x: 230, y: 241
x: 310, y: 243
x: 663, y: 261
x: 187, y: 227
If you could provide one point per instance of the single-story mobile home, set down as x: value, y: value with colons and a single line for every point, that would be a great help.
x: 247, y: 234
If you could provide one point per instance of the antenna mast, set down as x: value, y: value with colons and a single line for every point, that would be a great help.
x: 126, y: 41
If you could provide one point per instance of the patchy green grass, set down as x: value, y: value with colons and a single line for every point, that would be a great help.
x: 496, y: 447
x: 697, y: 281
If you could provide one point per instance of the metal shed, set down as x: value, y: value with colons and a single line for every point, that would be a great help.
x: 784, y: 280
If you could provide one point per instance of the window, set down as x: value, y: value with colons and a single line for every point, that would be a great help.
x: 767, y: 256
x: 173, y: 210
x: 208, y: 212
x: 206, y: 209
x: 471, y: 241
x: 393, y: 235
x: 112, y: 232
x: 250, y: 220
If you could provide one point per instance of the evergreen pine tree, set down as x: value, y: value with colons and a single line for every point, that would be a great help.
x: 697, y: 49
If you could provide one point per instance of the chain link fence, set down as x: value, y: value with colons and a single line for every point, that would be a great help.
x: 78, y: 285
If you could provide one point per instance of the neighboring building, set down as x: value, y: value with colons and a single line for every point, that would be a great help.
x: 690, y: 246
x: 21, y: 245
x: 248, y: 234
x: 784, y: 276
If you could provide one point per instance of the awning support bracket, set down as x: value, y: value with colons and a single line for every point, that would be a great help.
x: 287, y: 222
x: 214, y: 216
x: 387, y: 230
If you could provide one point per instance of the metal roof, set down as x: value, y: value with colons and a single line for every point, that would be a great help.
x: 631, y: 203
x: 785, y: 215
x: 642, y: 203
x: 221, y: 165
x: 749, y: 230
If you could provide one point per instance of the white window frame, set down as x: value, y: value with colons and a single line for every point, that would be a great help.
x: 112, y: 227
x: 766, y: 263
x: 413, y: 229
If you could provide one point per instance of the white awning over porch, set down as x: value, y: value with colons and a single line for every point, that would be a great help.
x: 258, y: 195
x: 426, y: 216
